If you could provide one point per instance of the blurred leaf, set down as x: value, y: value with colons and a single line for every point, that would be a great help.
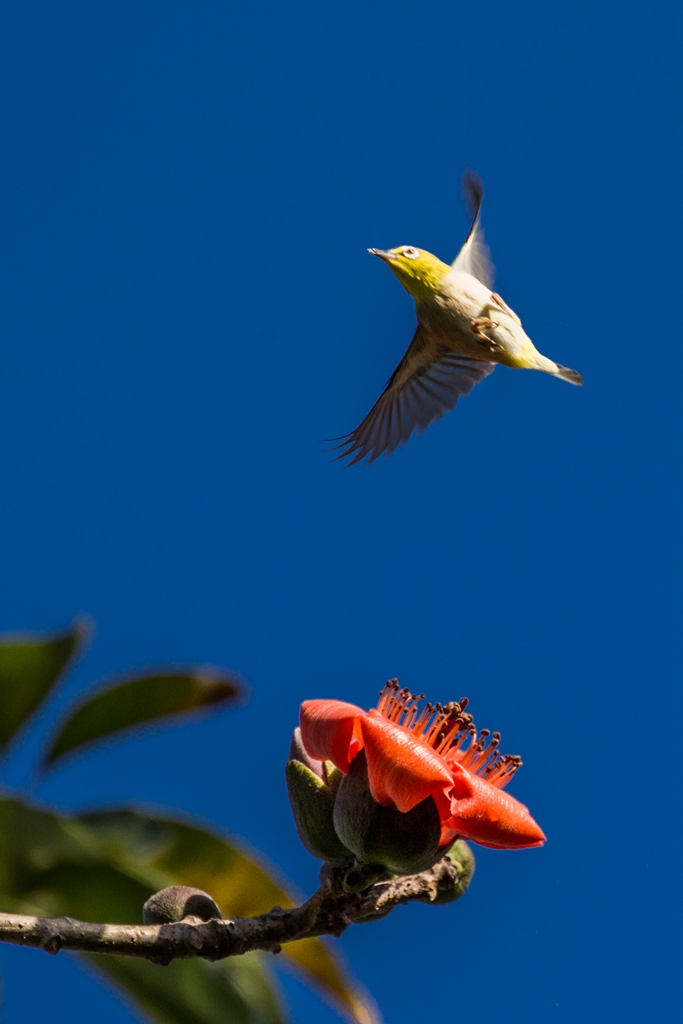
x: 323, y: 969
x: 188, y: 855
x: 195, y: 991
x: 240, y: 887
x: 51, y: 865
x: 30, y: 665
x: 139, y: 701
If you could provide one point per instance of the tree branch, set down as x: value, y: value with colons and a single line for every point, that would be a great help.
x: 328, y: 912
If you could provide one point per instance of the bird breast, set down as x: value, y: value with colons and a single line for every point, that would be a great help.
x: 448, y: 314
x: 449, y: 311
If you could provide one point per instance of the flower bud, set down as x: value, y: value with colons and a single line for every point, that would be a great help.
x: 177, y: 902
x: 462, y: 858
x: 298, y: 752
x: 404, y: 843
x: 312, y: 788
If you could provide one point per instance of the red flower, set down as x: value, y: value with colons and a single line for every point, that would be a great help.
x: 413, y: 754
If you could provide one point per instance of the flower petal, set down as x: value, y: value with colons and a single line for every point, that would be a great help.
x: 483, y: 813
x: 402, y: 770
x: 330, y: 731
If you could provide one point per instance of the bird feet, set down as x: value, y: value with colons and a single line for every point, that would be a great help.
x: 504, y: 306
x: 478, y: 326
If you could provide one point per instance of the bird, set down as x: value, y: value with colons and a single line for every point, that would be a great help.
x: 464, y: 329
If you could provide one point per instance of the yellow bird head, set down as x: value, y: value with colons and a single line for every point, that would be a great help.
x: 419, y: 272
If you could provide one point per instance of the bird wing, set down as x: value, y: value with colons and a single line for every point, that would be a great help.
x: 475, y: 258
x: 421, y: 389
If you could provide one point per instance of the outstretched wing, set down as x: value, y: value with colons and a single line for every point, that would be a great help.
x: 420, y: 390
x: 474, y: 258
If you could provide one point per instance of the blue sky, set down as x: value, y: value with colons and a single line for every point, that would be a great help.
x: 188, y: 308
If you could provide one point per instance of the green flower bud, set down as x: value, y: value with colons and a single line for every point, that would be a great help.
x: 402, y: 843
x: 298, y: 752
x: 177, y: 902
x: 461, y: 856
x: 312, y: 789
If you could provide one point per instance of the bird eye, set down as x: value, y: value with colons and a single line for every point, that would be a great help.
x: 411, y: 253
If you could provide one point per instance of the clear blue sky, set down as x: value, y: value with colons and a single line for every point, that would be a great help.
x: 188, y: 192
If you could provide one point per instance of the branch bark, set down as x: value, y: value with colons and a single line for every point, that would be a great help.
x: 328, y: 912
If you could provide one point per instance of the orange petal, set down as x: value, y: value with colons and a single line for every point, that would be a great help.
x: 402, y: 770
x: 487, y: 815
x: 330, y: 731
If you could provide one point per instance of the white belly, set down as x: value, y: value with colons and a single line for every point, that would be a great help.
x: 448, y: 316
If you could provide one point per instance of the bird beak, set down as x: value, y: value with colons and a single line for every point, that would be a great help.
x: 384, y: 254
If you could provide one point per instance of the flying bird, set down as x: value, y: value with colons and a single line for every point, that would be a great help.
x: 463, y: 330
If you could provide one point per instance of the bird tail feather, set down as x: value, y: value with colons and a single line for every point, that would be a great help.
x: 569, y: 375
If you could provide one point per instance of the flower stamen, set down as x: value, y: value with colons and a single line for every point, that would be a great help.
x: 450, y: 731
x: 400, y: 705
x: 412, y: 713
x: 419, y: 726
x: 386, y: 696
x: 501, y: 771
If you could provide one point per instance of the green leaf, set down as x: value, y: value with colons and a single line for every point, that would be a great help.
x: 52, y: 865
x: 195, y: 991
x: 187, y: 855
x: 30, y: 665
x: 323, y: 969
x: 139, y: 701
x: 104, y: 865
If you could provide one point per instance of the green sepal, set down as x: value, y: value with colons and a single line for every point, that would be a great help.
x: 462, y: 857
x: 359, y: 877
x: 312, y: 801
x: 403, y: 843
